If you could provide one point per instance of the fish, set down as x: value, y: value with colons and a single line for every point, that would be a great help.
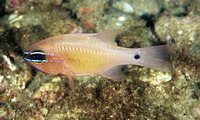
x: 93, y: 53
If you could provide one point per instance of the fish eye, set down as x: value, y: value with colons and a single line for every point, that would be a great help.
x: 37, y: 56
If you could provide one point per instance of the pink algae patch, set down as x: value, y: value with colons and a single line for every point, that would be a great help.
x: 13, y: 4
x: 2, y: 86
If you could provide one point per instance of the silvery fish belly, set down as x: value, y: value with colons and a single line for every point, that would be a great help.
x: 85, y: 54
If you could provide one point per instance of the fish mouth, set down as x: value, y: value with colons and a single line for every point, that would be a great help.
x: 26, y: 56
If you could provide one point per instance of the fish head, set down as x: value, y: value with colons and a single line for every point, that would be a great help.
x: 43, y: 56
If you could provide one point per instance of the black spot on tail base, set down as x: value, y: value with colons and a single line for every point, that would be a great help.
x: 137, y: 56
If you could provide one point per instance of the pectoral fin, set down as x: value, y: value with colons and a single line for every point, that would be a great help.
x: 114, y: 73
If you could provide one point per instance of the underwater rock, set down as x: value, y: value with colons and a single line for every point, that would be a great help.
x: 99, y: 16
x: 183, y: 31
x: 137, y: 37
x: 88, y: 11
x: 37, y: 24
x: 13, y: 77
x: 14, y: 73
x: 156, y: 77
x: 5, y: 112
x: 51, y: 92
x: 115, y: 19
x: 137, y: 7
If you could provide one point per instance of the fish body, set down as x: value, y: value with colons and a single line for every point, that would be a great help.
x: 85, y: 54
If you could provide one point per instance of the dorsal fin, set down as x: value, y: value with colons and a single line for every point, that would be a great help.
x: 114, y: 73
x: 108, y: 36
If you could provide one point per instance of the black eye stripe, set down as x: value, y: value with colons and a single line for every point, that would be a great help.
x: 37, y: 56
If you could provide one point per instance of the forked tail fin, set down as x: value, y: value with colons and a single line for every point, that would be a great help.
x: 154, y: 57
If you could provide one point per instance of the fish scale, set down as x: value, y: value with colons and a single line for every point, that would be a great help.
x: 85, y: 61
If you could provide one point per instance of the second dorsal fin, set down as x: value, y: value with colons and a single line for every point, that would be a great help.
x: 108, y: 36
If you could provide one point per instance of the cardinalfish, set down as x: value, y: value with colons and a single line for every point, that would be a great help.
x: 86, y: 54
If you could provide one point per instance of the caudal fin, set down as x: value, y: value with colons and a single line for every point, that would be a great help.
x: 154, y: 57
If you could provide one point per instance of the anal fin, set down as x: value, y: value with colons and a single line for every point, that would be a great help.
x: 114, y: 73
